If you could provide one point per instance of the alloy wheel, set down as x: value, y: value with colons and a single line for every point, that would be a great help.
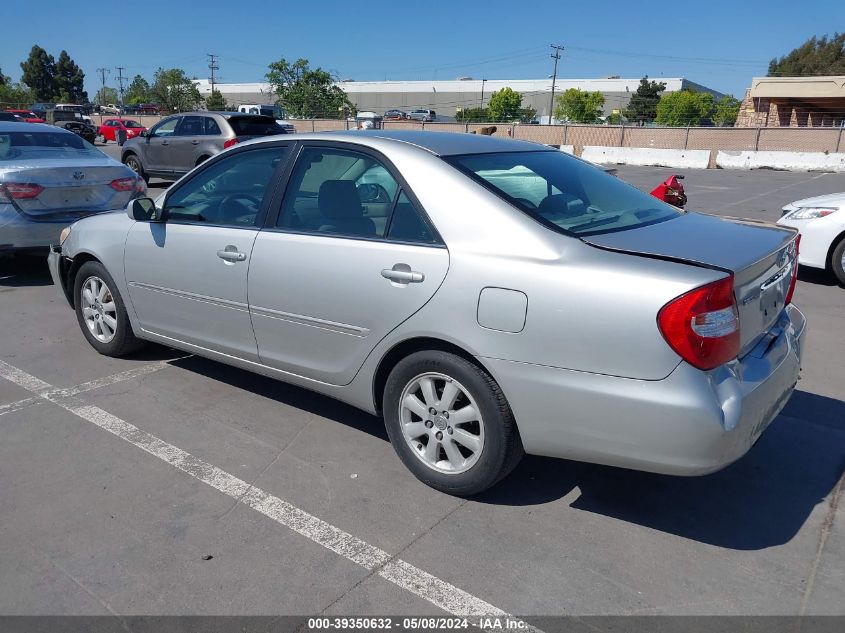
x: 442, y: 423
x: 99, y: 309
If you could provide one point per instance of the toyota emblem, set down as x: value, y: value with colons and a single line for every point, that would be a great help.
x: 78, y: 175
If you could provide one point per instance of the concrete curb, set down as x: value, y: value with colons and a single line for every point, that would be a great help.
x: 792, y: 161
x: 648, y: 156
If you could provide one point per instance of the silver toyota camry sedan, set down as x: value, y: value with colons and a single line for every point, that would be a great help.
x: 50, y: 177
x: 487, y: 297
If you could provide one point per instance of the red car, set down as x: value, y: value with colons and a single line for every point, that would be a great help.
x: 27, y: 115
x: 110, y: 126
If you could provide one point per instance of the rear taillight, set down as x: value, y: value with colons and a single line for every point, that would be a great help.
x: 230, y: 142
x: 794, y: 281
x: 702, y: 326
x: 20, y: 190
x: 124, y: 184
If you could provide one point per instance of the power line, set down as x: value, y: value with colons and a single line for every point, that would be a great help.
x: 103, y: 72
x: 556, y: 56
x: 212, y: 66
x: 120, y: 78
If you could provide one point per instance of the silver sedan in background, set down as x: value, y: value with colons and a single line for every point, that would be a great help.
x: 51, y: 177
x: 487, y: 297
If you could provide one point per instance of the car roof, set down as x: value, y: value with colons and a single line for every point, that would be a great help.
x: 439, y: 143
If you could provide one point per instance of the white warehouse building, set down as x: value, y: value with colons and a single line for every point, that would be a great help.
x: 445, y: 97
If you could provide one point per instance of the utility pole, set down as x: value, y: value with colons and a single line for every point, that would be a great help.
x: 120, y: 78
x: 555, y: 56
x: 103, y: 72
x: 212, y: 66
x: 483, y: 81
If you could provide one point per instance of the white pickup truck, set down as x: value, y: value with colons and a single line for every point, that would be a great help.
x: 269, y: 110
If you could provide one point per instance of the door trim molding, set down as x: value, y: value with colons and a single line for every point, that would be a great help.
x: 341, y: 328
x: 224, y: 303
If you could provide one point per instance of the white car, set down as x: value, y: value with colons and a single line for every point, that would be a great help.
x: 821, y: 222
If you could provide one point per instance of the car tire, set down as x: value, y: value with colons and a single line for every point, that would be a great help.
x: 837, y: 262
x: 462, y: 457
x: 104, y: 322
x: 134, y: 163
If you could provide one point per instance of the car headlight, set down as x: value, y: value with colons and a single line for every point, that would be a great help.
x: 63, y: 235
x: 809, y: 213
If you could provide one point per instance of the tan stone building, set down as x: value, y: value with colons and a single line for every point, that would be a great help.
x: 793, y: 102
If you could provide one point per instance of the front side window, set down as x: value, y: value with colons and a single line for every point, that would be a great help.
x: 228, y: 192
x: 166, y: 127
x: 338, y: 192
x: 563, y: 192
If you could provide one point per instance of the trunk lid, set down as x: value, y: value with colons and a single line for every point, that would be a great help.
x: 70, y: 192
x: 760, y: 255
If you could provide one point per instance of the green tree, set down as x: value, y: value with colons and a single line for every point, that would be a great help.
x: 473, y: 115
x: 579, y: 106
x: 816, y: 56
x: 173, y: 91
x: 505, y: 105
x: 107, y: 95
x: 14, y: 95
x: 306, y: 92
x: 39, y: 73
x: 69, y: 80
x: 138, y: 91
x: 643, y: 105
x: 725, y: 111
x: 685, y: 107
x: 216, y: 102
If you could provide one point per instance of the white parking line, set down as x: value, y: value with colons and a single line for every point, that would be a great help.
x: 401, y: 573
x: 47, y: 390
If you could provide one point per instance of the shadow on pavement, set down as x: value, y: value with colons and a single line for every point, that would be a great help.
x: 289, y: 395
x: 816, y: 276
x: 758, y: 502
x: 24, y: 270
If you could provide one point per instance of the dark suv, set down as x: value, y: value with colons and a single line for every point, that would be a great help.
x: 178, y: 143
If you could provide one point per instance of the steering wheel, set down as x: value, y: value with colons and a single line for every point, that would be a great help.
x: 239, y: 197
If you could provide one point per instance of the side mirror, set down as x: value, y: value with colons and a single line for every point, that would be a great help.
x: 143, y: 210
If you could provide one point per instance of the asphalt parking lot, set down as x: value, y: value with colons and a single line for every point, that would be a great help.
x: 168, y: 484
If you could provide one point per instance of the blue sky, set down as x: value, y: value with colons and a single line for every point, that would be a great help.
x: 718, y: 44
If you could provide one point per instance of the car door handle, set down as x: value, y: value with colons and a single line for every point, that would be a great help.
x: 231, y: 256
x: 165, y: 143
x: 402, y: 273
x: 195, y: 142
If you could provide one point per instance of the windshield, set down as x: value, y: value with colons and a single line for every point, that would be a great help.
x: 563, y: 192
x: 25, y: 145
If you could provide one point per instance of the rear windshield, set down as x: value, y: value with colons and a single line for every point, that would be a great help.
x: 564, y: 193
x: 255, y: 126
x: 26, y: 145
x: 132, y: 124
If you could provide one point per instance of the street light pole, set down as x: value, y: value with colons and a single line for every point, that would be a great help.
x: 483, y: 81
x: 556, y: 57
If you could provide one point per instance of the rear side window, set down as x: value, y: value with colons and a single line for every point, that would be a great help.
x: 254, y: 126
x: 191, y: 126
x: 211, y: 127
x: 564, y: 193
